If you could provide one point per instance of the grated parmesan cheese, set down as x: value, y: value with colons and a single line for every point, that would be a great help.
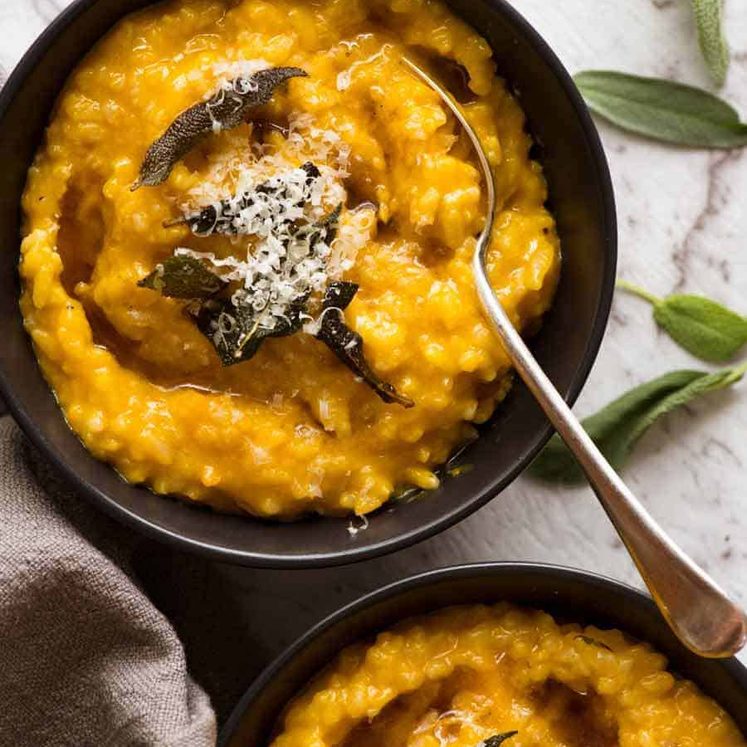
x: 345, y: 78
x: 361, y: 526
x: 282, y: 260
x: 227, y: 72
x: 288, y: 261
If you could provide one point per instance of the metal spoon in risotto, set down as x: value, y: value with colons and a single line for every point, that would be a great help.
x: 699, y: 612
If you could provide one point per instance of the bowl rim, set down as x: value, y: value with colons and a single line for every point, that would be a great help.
x: 628, y: 595
x: 444, y: 520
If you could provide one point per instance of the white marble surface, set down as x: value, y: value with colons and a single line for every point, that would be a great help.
x: 682, y: 226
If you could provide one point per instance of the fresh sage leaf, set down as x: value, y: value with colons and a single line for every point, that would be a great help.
x: 616, y: 428
x: 347, y: 345
x: 226, y: 109
x: 662, y: 109
x: 182, y: 276
x: 708, y: 17
x: 701, y: 326
x: 497, y: 739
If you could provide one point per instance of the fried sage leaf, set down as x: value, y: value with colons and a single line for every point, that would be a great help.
x: 228, y: 108
x: 589, y: 641
x: 324, y: 230
x: 709, y: 18
x: 703, y: 327
x: 183, y: 277
x: 238, y: 320
x: 224, y: 217
x: 662, y: 110
x: 347, y: 345
x: 616, y: 428
x: 498, y: 739
x: 235, y: 331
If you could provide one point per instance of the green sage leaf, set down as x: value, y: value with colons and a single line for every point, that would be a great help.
x: 617, y: 427
x: 662, y: 109
x: 708, y: 16
x: 701, y: 326
x: 182, y: 276
x: 498, y: 739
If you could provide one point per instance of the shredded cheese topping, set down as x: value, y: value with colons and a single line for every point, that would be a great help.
x: 285, y: 259
x: 227, y: 72
x: 288, y: 261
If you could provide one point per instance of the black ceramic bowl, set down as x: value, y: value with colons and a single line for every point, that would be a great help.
x: 569, y: 595
x: 582, y: 200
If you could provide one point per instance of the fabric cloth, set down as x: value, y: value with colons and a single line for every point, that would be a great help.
x: 85, y: 657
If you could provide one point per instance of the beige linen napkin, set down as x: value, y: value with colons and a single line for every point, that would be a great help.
x: 85, y: 658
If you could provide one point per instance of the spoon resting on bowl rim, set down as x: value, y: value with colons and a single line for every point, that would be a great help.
x: 697, y: 610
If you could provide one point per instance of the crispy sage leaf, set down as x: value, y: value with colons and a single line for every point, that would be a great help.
x: 662, y: 110
x: 183, y: 277
x: 228, y: 108
x: 589, y: 641
x: 233, y: 329
x: 324, y: 230
x: 703, y: 327
x: 617, y: 427
x: 498, y: 739
x: 223, y: 217
x: 339, y: 295
x: 238, y: 322
x: 708, y: 16
x: 347, y: 345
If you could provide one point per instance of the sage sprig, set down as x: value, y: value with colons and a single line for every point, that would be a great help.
x: 701, y: 326
x: 708, y: 17
x: 662, y: 109
x: 617, y: 427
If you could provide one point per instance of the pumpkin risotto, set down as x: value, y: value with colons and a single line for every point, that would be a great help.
x: 247, y: 245
x: 485, y: 676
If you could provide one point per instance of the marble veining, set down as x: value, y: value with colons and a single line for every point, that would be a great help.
x: 682, y: 228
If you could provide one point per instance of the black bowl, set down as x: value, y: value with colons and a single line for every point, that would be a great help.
x: 582, y: 200
x: 569, y: 595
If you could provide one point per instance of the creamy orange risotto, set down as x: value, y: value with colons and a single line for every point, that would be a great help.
x: 247, y: 244
x: 502, y: 676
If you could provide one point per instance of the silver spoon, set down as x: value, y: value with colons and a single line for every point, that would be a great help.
x: 698, y: 611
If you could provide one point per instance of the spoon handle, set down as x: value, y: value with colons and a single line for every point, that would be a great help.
x: 700, y: 613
